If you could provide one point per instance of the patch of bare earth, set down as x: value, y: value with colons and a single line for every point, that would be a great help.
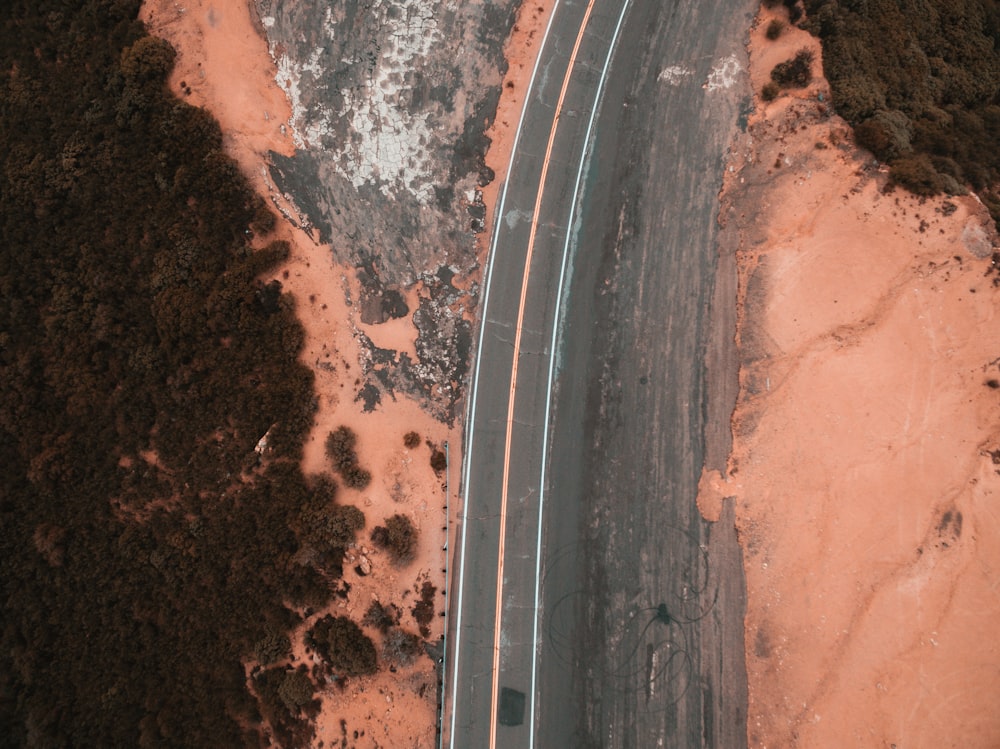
x: 866, y: 458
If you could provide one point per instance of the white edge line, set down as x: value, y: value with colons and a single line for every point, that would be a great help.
x: 471, y: 413
x: 588, y: 146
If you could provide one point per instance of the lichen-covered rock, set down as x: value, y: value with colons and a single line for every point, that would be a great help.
x: 390, y: 125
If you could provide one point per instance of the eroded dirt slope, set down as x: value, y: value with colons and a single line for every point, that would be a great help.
x: 867, y: 439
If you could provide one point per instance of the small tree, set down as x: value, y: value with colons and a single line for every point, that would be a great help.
x: 149, y: 60
x: 398, y: 536
x: 887, y: 134
x: 917, y: 174
x: 356, y: 477
x: 342, y: 644
x: 296, y: 690
x: 423, y: 610
x: 439, y: 461
x: 340, y: 445
x: 273, y: 647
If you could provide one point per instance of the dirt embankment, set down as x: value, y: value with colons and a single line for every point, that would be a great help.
x: 866, y: 458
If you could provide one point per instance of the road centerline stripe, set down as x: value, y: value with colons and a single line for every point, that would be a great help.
x: 471, y: 409
x: 513, y: 376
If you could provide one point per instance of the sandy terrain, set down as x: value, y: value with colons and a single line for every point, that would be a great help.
x: 224, y: 62
x: 866, y: 438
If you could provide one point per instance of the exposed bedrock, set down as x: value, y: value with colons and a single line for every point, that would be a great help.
x: 391, y: 102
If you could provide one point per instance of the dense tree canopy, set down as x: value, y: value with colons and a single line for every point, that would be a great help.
x: 147, y: 549
x: 920, y: 81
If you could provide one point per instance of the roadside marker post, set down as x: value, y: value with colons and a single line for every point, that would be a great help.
x: 447, y: 608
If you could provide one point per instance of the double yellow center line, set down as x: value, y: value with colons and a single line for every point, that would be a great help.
x: 513, y: 371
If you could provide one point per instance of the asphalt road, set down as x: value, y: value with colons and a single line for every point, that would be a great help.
x: 620, y: 611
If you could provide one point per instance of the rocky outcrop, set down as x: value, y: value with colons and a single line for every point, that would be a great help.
x: 391, y: 101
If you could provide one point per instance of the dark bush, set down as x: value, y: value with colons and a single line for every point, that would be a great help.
x: 143, y: 356
x: 937, y: 64
x: 340, y: 445
x: 770, y: 91
x: 398, y: 537
x: 887, y: 135
x: 858, y: 98
x: 774, y: 29
x: 794, y: 73
x: 328, y: 528
x: 296, y: 690
x: 991, y: 199
x: 439, y: 461
x: 381, y: 617
x: 273, y: 647
x: 149, y: 60
x: 356, y: 477
x: 282, y: 696
x: 411, y: 440
x: 342, y: 644
x: 423, y: 610
x: 916, y: 174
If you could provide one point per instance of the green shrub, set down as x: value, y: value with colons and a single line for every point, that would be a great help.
x: 774, y: 29
x: 770, y: 91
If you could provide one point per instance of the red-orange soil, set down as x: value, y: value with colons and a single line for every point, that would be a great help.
x: 224, y: 65
x: 865, y: 462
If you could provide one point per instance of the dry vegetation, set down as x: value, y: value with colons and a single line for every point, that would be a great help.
x: 160, y: 541
x: 920, y: 84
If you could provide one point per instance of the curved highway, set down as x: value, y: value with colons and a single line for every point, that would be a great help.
x: 591, y: 605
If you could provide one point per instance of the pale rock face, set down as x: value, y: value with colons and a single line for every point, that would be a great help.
x: 388, y: 141
x: 390, y: 104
